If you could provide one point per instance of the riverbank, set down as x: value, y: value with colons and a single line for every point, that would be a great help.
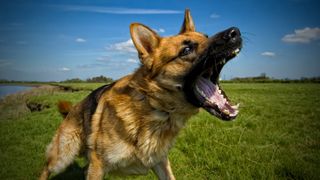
x: 39, y: 96
x: 19, y: 103
x: 8, y: 88
x: 30, y: 84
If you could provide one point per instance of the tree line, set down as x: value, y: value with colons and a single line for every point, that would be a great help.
x: 263, y: 78
x: 98, y: 79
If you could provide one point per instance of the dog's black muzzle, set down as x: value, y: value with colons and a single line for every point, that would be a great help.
x: 221, y: 48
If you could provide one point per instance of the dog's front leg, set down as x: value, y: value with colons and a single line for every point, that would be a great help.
x: 163, y: 170
x: 95, y: 169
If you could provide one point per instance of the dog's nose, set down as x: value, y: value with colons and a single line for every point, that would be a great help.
x: 231, y: 34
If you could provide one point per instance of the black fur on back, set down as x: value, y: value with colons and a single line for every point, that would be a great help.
x: 90, y: 104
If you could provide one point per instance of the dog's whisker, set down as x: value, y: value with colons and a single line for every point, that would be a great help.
x: 248, y: 33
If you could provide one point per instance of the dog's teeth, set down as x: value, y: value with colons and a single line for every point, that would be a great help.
x: 236, y: 106
x: 224, y: 100
x: 234, y: 114
x: 235, y: 52
x: 222, y: 62
x: 226, y: 111
x: 200, y: 91
x: 218, y: 89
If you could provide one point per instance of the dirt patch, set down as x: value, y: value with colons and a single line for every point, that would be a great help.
x: 33, y: 106
x: 67, y: 88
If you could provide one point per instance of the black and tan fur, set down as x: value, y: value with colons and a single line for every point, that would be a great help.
x: 129, y: 126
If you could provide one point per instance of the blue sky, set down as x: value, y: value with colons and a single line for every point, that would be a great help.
x: 57, y: 40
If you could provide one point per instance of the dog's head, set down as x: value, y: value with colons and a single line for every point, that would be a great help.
x: 190, y: 63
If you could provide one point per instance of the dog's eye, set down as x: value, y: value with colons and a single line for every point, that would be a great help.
x: 185, y: 51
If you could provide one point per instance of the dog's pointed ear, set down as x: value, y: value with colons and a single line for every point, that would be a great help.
x: 145, y: 40
x: 188, y: 25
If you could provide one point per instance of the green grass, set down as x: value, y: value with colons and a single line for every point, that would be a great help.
x: 81, y: 86
x: 276, y: 136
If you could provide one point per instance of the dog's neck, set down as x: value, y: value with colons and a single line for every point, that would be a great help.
x: 159, y: 96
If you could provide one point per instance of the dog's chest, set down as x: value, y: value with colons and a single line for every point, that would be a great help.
x: 128, y: 160
x: 154, y: 140
x: 152, y: 147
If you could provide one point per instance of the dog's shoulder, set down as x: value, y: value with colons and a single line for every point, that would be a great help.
x: 88, y: 106
x: 90, y: 103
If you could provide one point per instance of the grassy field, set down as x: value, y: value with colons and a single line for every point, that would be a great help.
x: 276, y: 136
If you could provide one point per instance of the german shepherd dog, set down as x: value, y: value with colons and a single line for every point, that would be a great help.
x: 129, y: 126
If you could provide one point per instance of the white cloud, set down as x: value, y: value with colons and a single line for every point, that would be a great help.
x: 64, y: 69
x: 160, y: 30
x: 214, y: 16
x: 126, y: 46
x: 268, y: 54
x: 103, y: 59
x: 131, y: 60
x: 113, y: 10
x: 80, y: 40
x: 89, y: 66
x: 305, y: 35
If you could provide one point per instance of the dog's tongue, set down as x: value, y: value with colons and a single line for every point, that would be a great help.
x: 211, y: 91
x: 210, y: 94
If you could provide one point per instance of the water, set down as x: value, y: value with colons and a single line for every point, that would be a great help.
x: 10, y: 89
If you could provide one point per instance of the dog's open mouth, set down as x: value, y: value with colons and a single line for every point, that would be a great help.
x: 202, y: 83
x: 208, y: 92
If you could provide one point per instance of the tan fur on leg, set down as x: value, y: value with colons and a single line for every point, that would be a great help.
x: 163, y: 170
x: 95, y: 169
x: 45, y: 174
